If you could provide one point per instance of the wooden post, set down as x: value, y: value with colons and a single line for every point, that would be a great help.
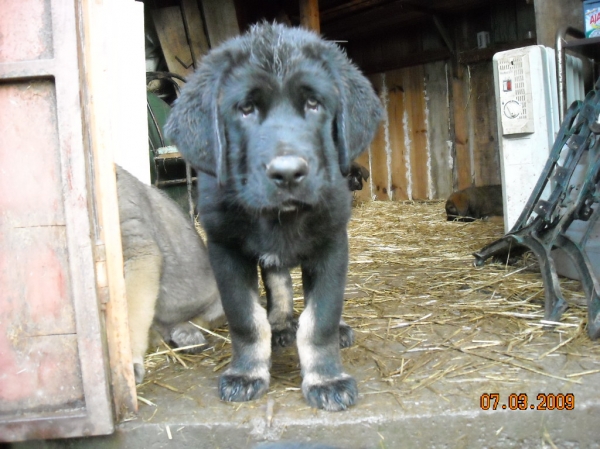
x: 309, y: 15
x: 98, y: 115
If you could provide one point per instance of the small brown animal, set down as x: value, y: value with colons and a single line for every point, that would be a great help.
x: 475, y: 202
x: 168, y: 277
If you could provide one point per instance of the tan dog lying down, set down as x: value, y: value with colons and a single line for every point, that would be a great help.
x: 168, y: 277
x: 475, y: 202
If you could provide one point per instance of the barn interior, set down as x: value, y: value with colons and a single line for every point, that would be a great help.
x: 447, y: 355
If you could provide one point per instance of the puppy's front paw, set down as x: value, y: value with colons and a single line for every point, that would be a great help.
x: 241, y: 388
x: 346, y: 336
x: 332, y: 395
x: 285, y: 336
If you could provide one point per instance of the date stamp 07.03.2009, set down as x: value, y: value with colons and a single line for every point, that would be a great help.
x: 521, y: 401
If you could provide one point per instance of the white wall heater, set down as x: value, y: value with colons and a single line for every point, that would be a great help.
x: 528, y: 120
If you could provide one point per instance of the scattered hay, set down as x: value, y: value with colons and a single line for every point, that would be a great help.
x: 423, y: 314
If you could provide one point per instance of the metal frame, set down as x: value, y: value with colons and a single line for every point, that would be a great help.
x: 543, y: 224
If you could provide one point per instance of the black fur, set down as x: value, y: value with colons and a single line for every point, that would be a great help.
x: 272, y: 120
x: 357, y: 174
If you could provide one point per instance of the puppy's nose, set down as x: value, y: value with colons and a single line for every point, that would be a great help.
x: 287, y: 171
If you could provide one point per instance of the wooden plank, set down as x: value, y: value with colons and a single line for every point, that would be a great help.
x: 379, y: 169
x: 483, y: 122
x: 550, y: 16
x: 504, y: 22
x: 462, y: 157
x: 194, y: 26
x: 74, y: 358
x: 221, y: 20
x: 400, y: 154
x: 309, y: 15
x: 438, y: 128
x: 36, y: 297
x: 14, y: 34
x: 27, y: 105
x: 173, y: 40
x: 525, y: 20
x: 98, y: 116
x: 414, y: 90
x: 47, y: 373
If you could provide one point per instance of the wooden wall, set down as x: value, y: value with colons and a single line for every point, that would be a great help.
x: 439, y: 133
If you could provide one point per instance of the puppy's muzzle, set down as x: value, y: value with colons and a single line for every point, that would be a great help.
x: 287, y: 172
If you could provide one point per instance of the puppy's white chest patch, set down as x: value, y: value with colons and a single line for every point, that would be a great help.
x: 270, y: 260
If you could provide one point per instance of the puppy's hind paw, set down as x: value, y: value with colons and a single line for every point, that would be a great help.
x: 139, y: 372
x: 186, y: 334
x: 334, y: 395
x: 240, y: 388
x: 346, y: 336
x: 286, y: 336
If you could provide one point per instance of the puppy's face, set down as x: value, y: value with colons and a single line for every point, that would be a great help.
x: 280, y: 133
x: 276, y: 116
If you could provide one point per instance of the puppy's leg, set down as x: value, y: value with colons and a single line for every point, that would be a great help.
x: 142, y: 283
x: 280, y: 305
x: 325, y: 385
x: 247, y: 377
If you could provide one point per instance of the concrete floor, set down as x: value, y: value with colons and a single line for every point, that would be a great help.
x: 422, y: 363
x: 429, y: 412
x: 447, y: 415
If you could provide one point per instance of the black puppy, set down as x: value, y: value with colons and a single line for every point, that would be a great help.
x: 357, y: 174
x: 271, y: 121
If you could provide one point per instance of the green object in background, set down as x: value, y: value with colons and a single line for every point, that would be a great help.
x: 158, y: 113
x: 158, y: 145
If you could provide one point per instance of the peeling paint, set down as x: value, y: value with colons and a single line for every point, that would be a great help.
x: 468, y: 107
x: 371, y: 186
x: 430, y: 187
x: 407, y: 145
x: 386, y: 133
x: 450, y: 146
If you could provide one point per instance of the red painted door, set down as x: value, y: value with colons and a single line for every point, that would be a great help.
x: 53, y: 374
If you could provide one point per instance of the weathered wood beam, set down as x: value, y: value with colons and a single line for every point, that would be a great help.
x: 221, y: 20
x: 443, y: 32
x: 405, y: 61
x: 194, y: 27
x: 309, y: 15
x: 486, y: 54
x: 350, y: 7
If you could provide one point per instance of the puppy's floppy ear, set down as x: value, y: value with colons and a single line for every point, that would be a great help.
x: 194, y: 123
x: 360, y: 109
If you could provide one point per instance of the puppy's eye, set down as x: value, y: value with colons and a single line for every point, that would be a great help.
x: 312, y: 103
x: 247, y: 108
